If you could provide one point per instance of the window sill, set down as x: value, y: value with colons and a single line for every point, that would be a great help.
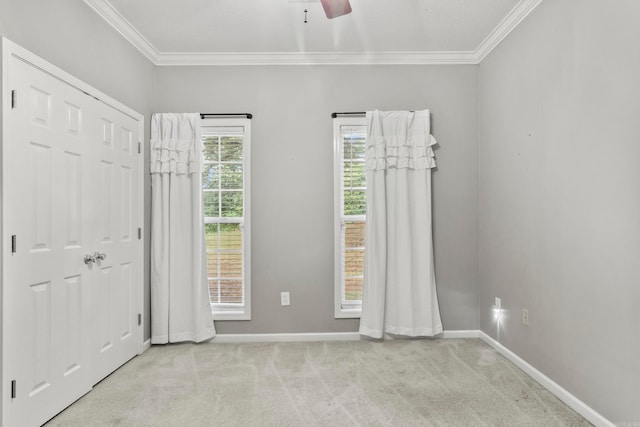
x: 230, y: 315
x: 348, y: 313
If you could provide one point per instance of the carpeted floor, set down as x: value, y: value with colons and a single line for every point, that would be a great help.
x: 445, y: 382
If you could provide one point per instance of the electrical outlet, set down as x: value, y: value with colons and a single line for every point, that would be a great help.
x: 497, y: 309
x: 284, y: 298
x: 525, y: 317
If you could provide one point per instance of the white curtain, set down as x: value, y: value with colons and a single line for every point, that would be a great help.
x: 180, y: 308
x: 399, y: 295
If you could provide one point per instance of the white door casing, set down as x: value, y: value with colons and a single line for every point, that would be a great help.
x: 71, y: 187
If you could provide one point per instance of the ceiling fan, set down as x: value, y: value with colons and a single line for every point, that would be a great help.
x: 335, y: 8
x: 332, y: 8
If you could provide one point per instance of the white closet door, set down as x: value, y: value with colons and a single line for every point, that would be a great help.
x: 72, y: 188
x: 115, y: 167
x: 47, y: 284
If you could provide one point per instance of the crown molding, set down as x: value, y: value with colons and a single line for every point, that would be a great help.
x: 502, y: 30
x: 315, y: 58
x: 124, y: 27
x: 131, y: 34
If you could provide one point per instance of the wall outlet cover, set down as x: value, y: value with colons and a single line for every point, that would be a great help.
x: 285, y: 298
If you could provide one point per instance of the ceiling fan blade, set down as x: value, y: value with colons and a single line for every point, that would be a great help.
x: 335, y: 8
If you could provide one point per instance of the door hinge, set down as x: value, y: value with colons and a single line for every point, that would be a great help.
x: 139, y: 319
x: 139, y: 233
x: 13, y: 99
x: 13, y: 389
x: 13, y: 244
x: 139, y: 147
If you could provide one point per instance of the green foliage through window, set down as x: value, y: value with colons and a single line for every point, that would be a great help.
x: 223, y: 200
x: 354, y: 192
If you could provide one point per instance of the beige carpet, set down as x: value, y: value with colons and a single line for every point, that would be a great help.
x: 445, y: 382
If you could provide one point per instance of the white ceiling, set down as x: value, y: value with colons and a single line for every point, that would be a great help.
x: 186, y: 32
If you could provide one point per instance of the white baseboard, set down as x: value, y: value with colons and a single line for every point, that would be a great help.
x: 321, y: 336
x: 461, y: 334
x: 573, y: 402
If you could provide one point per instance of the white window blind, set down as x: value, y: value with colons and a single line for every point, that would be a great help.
x: 350, y: 209
x: 225, y: 181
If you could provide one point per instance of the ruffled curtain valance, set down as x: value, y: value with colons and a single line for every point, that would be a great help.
x: 176, y: 147
x: 399, y: 139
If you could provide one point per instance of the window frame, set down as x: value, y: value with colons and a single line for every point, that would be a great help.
x: 230, y: 311
x: 342, y: 310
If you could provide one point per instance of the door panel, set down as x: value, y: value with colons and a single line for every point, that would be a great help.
x: 118, y: 173
x: 126, y: 326
x: 71, y: 322
x: 47, y: 298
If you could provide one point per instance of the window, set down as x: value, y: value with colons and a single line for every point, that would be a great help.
x: 225, y: 193
x: 350, y: 208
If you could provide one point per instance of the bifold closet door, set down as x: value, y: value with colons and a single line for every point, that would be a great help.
x: 115, y: 173
x: 47, y: 292
x: 73, y: 277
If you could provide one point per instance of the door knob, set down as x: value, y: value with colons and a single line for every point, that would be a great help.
x: 88, y: 259
x: 100, y: 256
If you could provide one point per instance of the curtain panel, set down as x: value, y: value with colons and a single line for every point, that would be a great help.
x: 180, y: 308
x: 399, y: 295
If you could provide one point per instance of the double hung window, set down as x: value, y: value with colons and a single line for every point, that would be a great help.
x: 350, y: 214
x: 225, y: 192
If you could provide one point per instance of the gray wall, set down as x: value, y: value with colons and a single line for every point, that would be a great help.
x: 560, y: 201
x: 292, y: 176
x: 70, y: 35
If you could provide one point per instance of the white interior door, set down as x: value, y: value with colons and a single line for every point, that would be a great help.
x: 71, y: 190
x: 47, y: 286
x: 115, y: 165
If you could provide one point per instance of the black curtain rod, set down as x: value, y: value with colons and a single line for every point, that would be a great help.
x: 205, y: 115
x: 359, y: 113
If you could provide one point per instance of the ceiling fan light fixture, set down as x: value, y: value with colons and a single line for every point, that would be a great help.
x: 335, y: 8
